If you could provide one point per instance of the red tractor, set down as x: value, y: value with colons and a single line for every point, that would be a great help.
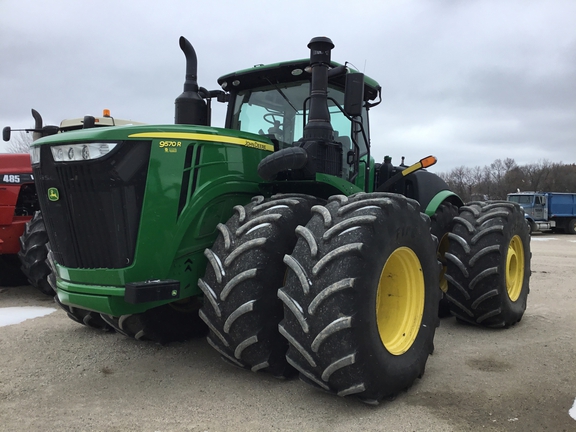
x: 22, y: 231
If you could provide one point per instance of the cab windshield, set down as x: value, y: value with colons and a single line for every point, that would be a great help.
x: 277, y: 111
x: 521, y: 199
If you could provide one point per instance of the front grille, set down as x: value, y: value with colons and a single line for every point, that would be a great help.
x: 94, y: 223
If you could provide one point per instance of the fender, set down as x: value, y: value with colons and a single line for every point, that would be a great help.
x: 428, y: 189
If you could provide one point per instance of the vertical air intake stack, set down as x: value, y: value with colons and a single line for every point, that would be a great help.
x: 37, y: 134
x: 316, y: 151
x: 190, y: 107
x: 318, y: 139
x: 318, y: 126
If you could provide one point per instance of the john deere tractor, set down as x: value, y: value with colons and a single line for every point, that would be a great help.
x: 278, y: 234
x: 23, y: 235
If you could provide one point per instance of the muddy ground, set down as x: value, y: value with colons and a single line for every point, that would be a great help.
x: 58, y: 375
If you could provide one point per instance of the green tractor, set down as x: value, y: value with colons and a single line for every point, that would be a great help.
x: 278, y: 235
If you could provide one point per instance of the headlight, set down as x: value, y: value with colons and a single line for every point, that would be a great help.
x: 35, y: 155
x: 80, y: 152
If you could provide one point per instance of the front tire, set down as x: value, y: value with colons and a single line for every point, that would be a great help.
x: 172, y: 322
x: 244, y: 272
x: 33, y: 254
x: 361, y: 298
x: 85, y: 317
x: 81, y: 316
x: 489, y: 264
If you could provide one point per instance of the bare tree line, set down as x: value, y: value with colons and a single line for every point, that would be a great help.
x: 501, y: 177
x: 492, y: 181
x: 19, y: 143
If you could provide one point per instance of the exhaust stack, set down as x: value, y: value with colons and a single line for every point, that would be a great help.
x: 37, y: 134
x: 318, y: 126
x: 190, y: 107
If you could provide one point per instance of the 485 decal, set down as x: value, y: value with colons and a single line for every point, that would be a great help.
x: 16, y: 178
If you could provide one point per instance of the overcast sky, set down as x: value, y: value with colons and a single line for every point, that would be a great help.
x: 467, y: 81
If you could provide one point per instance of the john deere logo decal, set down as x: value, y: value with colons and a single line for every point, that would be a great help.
x: 53, y: 194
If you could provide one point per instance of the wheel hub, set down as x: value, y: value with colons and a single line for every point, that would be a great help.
x: 400, y: 300
x: 515, y: 268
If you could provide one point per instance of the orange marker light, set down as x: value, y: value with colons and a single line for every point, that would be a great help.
x: 428, y: 161
x: 105, y: 112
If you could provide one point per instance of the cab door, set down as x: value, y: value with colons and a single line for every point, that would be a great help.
x: 539, y: 208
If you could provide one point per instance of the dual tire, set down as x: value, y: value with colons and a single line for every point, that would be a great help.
x: 245, y: 270
x: 361, y: 297
x: 360, y: 287
x: 173, y: 322
x: 356, y: 304
x: 488, y: 264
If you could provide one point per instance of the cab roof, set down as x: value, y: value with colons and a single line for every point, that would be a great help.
x: 286, y: 72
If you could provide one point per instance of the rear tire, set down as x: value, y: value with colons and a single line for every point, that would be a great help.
x: 244, y: 272
x: 361, y: 297
x: 489, y: 264
x: 440, y: 226
x: 33, y: 254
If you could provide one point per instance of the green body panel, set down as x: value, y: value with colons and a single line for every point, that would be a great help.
x: 360, y: 180
x: 195, y: 177
x: 439, y: 198
x: 170, y: 242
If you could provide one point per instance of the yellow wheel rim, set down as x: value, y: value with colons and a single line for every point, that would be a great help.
x: 515, y: 268
x: 400, y: 301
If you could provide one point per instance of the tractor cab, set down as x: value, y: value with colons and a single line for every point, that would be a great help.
x: 274, y: 101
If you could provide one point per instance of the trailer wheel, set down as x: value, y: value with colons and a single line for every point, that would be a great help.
x: 441, y: 223
x: 361, y: 297
x: 172, y: 322
x: 489, y: 264
x: 571, y: 229
x: 245, y: 269
x: 33, y: 254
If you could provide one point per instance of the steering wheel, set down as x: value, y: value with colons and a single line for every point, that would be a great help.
x: 270, y: 118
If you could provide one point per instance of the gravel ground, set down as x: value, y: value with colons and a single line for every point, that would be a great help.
x: 58, y: 375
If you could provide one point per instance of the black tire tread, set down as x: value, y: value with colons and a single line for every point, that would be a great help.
x: 33, y: 254
x: 476, y: 263
x: 440, y: 225
x: 245, y: 269
x: 323, y: 296
x: 172, y: 322
x: 81, y: 316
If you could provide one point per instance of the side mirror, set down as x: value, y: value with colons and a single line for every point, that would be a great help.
x: 354, y: 94
x: 6, y: 133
